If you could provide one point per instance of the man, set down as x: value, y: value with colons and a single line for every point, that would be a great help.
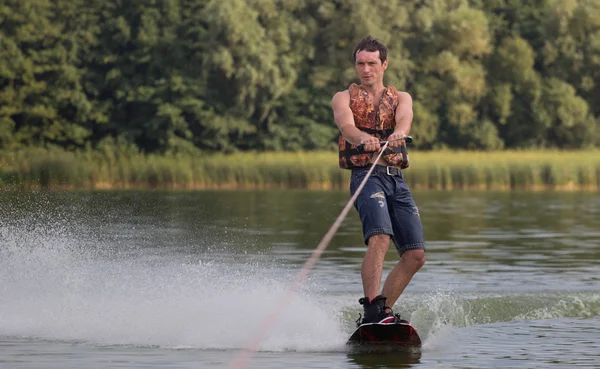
x: 366, y: 114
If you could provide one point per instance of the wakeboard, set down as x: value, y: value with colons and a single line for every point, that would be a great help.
x: 384, y: 337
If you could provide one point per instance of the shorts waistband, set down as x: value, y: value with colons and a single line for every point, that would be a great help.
x: 391, y: 171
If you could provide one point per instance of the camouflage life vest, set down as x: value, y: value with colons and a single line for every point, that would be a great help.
x: 379, y: 123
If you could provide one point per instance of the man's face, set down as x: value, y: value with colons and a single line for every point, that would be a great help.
x: 369, y: 67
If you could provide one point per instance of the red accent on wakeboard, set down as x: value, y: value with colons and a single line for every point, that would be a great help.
x: 395, y: 335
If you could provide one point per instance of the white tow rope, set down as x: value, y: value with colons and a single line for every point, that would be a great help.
x: 245, y: 354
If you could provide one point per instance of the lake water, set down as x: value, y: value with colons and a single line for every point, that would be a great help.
x: 167, y: 279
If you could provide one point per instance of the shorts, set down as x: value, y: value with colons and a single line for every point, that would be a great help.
x: 386, y: 206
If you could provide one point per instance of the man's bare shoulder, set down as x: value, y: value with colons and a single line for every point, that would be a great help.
x: 341, y: 93
x: 341, y: 97
x: 404, y: 96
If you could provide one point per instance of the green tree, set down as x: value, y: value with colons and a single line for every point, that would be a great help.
x: 454, y: 41
x: 42, y: 99
x: 516, y: 88
x: 571, y: 54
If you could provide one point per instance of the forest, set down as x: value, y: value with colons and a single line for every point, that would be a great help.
x: 202, y: 77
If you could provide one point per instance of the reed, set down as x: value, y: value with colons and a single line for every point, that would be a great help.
x: 123, y: 168
x: 515, y: 170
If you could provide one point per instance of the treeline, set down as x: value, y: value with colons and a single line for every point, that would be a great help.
x: 189, y: 76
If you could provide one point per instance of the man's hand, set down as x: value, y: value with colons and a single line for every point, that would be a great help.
x: 370, y: 143
x: 397, y: 139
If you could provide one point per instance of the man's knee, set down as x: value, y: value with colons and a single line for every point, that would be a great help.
x: 415, y: 259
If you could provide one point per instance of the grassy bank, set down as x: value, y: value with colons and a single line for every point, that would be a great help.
x: 443, y: 170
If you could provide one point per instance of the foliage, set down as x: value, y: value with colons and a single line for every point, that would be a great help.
x: 201, y: 76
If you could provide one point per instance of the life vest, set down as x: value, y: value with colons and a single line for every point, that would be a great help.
x: 379, y: 123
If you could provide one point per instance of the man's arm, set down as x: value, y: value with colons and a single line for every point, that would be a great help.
x: 345, y: 121
x: 404, y: 116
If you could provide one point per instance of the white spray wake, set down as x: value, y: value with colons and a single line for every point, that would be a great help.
x: 53, y: 287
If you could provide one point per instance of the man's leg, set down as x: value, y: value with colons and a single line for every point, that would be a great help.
x: 372, y: 265
x: 409, y: 240
x: 401, y: 274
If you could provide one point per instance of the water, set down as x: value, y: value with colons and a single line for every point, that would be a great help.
x: 161, y: 279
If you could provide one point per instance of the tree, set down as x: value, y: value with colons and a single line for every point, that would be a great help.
x: 42, y: 100
x: 454, y: 41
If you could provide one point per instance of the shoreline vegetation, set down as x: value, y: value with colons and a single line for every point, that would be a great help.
x: 37, y: 168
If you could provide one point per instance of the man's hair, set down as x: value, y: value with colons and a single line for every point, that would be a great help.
x: 370, y: 44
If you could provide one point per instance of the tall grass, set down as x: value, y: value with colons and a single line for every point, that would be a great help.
x: 506, y: 170
x: 442, y: 170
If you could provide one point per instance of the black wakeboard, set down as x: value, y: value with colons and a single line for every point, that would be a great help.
x: 384, y: 337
